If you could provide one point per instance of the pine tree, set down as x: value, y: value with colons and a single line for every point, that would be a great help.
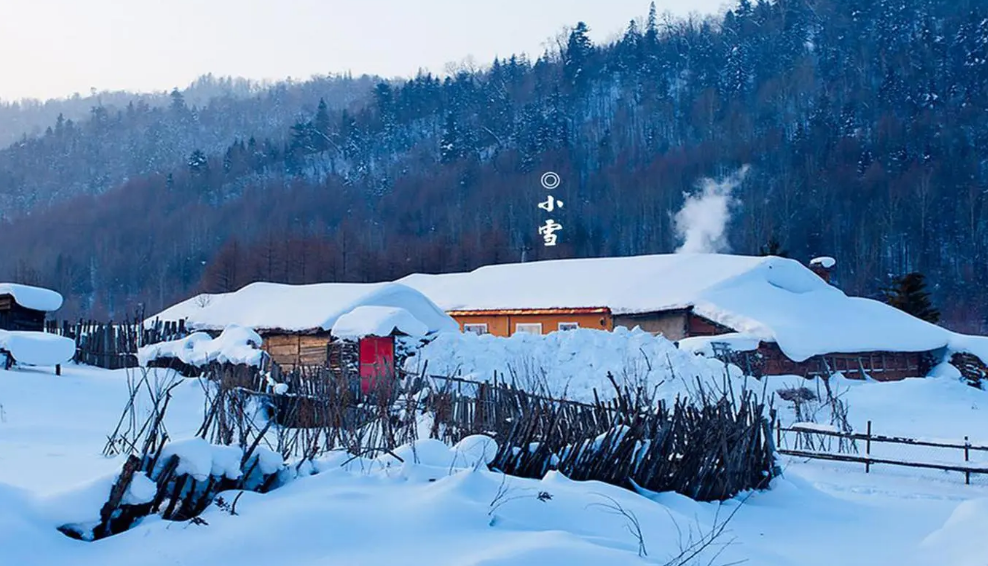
x: 178, y: 101
x: 908, y: 294
x: 577, y: 56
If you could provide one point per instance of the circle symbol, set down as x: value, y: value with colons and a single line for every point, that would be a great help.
x: 550, y: 180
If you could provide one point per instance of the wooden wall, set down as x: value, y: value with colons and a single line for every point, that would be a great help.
x: 15, y: 317
x: 290, y: 350
x: 502, y: 324
x: 670, y: 324
x: 880, y: 366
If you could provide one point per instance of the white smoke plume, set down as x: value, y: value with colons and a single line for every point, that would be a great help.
x: 701, y: 224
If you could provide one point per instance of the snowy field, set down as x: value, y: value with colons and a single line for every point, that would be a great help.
x: 52, y: 430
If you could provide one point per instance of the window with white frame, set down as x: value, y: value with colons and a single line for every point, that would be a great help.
x: 480, y: 328
x: 528, y: 328
x: 569, y: 325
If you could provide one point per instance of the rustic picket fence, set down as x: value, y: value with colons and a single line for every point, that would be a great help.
x: 814, y: 442
x: 711, y: 446
x: 111, y: 345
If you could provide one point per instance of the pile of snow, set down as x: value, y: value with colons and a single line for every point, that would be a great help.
x: 771, y: 299
x: 378, y: 321
x: 37, y: 348
x: 298, y: 308
x: 572, y: 363
x: 34, y: 298
x: 235, y: 345
x: 200, y: 459
x: 960, y: 541
x: 825, y: 262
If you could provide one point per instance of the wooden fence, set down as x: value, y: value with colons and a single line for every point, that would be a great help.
x: 112, y: 345
x: 808, y: 441
x: 709, y: 448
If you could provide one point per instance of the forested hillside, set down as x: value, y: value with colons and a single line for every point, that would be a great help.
x: 863, y: 124
x: 31, y: 117
x: 147, y: 134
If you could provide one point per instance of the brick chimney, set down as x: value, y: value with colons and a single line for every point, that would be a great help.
x: 823, y: 266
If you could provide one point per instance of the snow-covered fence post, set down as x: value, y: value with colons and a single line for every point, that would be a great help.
x: 868, y: 450
x: 967, y: 458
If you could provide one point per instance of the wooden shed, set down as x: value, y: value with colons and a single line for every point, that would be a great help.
x: 24, y: 308
x: 303, y: 325
x: 805, y: 325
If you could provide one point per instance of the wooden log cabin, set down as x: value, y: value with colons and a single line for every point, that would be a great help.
x: 803, y: 325
x: 299, y: 324
x: 24, y: 308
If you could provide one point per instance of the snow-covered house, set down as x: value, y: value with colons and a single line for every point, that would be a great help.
x: 23, y: 308
x: 779, y: 309
x: 299, y: 323
x: 22, y: 322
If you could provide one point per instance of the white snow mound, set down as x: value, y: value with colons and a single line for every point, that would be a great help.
x: 37, y: 348
x: 572, y: 363
x: 235, y: 345
x: 378, y: 321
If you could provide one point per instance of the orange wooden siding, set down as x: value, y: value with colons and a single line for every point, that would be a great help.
x: 505, y: 323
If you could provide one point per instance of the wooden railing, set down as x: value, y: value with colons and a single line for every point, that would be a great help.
x: 112, y: 345
x: 806, y: 444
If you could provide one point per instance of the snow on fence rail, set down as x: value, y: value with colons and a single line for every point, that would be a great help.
x: 112, y: 345
x: 810, y: 440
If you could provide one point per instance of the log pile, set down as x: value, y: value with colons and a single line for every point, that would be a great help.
x: 972, y: 369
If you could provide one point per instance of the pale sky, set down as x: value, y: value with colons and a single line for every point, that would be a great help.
x: 53, y: 48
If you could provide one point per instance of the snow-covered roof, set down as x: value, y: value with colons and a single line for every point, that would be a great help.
x: 300, y: 308
x: 377, y: 321
x: 34, y: 298
x: 768, y: 298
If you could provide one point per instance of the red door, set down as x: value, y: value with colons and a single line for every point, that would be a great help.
x: 377, y: 361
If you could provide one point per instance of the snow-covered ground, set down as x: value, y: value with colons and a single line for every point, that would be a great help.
x: 52, y: 430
